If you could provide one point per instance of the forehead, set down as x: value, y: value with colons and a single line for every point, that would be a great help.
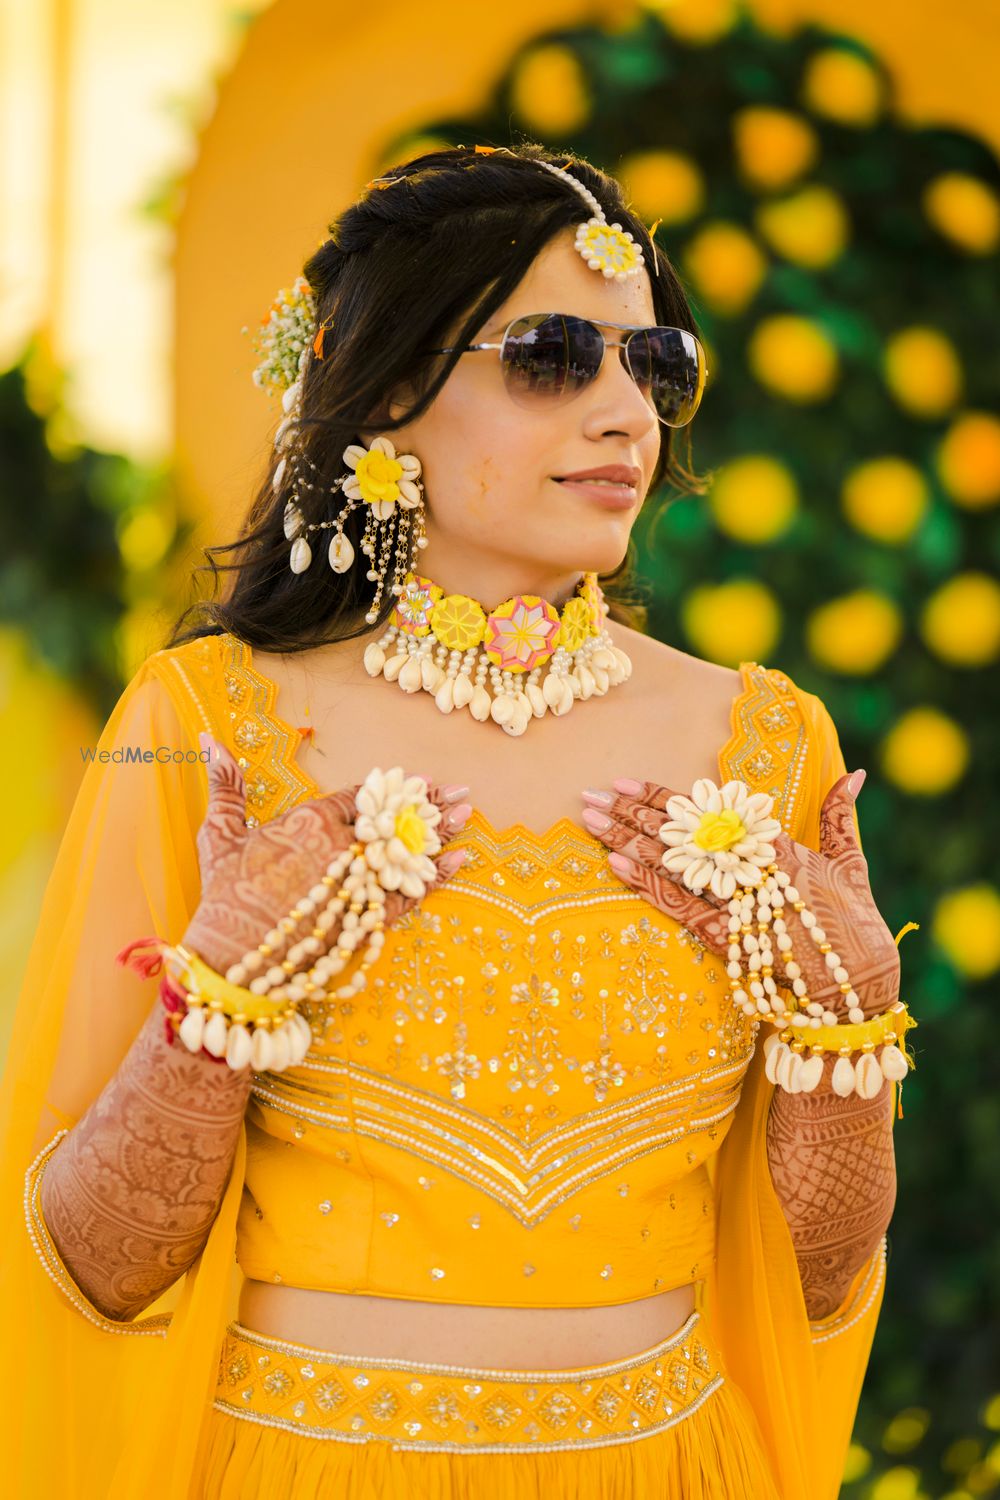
x: 559, y: 280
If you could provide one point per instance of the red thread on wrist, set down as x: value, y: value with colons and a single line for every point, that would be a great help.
x: 174, y: 1000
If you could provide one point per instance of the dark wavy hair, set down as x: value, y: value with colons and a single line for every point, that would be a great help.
x: 449, y: 238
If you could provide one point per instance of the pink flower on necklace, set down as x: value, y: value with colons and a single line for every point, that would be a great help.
x: 413, y: 611
x: 521, y: 633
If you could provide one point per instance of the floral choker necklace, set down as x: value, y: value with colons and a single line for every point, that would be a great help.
x: 510, y: 664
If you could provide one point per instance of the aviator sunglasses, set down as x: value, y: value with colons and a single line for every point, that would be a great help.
x: 548, y: 358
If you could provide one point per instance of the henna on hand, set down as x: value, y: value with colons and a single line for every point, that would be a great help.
x: 832, y: 882
x: 251, y: 877
x: 833, y: 1167
x: 131, y: 1193
x: 831, y: 1158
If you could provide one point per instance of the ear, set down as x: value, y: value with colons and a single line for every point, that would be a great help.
x: 838, y: 833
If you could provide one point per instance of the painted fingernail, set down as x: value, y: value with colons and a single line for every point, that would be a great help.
x: 619, y: 863
x: 454, y: 860
x: 856, y: 782
x: 595, y: 821
x: 460, y: 813
x: 453, y: 792
x: 596, y: 798
x: 627, y: 786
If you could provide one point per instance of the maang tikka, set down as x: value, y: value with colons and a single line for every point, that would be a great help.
x: 450, y: 646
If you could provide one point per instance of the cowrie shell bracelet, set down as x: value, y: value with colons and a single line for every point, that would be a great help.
x: 719, y: 839
x: 251, y: 1014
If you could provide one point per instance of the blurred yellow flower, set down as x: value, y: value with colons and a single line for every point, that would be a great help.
x: 885, y: 498
x: 961, y: 620
x: 732, y: 622
x: 965, y: 210
x: 665, y: 185
x: 549, y: 92
x: 968, y: 460
x: 854, y: 634
x: 922, y: 371
x: 700, y: 21
x: 726, y: 265
x: 925, y: 752
x: 144, y: 537
x: 843, y: 87
x: 754, y: 498
x: 811, y: 228
x: 966, y: 924
x: 793, y: 357
x: 906, y: 1429
x: 773, y: 146
x: 898, y: 1484
x: 857, y: 1463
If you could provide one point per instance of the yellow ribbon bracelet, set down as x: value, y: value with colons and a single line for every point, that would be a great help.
x: 213, y: 990
x: 888, y: 1026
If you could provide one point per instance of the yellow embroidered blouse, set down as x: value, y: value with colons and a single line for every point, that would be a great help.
x: 544, y: 1097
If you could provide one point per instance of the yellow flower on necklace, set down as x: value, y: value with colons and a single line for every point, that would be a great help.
x: 576, y: 617
x: 458, y: 622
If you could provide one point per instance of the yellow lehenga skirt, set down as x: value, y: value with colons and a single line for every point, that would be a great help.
x: 288, y: 1420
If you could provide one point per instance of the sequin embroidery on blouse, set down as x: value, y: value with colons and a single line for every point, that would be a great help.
x: 541, y: 1063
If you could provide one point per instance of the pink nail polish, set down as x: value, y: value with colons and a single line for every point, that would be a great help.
x: 461, y: 812
x: 453, y: 792
x: 596, y: 798
x: 595, y: 821
x: 619, y: 863
x: 627, y: 786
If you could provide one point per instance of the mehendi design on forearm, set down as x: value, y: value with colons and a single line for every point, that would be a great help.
x: 831, y: 1159
x: 131, y: 1193
x: 833, y: 1167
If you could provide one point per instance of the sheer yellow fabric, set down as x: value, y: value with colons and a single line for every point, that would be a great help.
x: 102, y: 1409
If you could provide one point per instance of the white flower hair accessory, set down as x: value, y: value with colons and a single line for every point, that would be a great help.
x: 605, y: 247
x: 720, y: 836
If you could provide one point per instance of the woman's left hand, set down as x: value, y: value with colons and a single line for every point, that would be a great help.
x: 833, y: 883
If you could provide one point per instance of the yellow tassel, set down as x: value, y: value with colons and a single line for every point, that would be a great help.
x: 910, y: 927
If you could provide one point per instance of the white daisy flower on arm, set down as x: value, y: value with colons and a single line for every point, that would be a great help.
x: 719, y: 837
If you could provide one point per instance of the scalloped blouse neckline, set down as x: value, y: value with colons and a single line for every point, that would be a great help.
x: 512, y: 830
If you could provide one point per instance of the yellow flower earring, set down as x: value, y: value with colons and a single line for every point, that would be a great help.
x: 389, y: 485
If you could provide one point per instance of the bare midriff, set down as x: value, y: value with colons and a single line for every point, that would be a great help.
x: 497, y: 1338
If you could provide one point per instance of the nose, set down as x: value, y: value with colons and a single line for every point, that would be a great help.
x: 619, y: 397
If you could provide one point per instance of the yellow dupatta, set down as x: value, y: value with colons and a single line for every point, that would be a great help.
x: 102, y: 1410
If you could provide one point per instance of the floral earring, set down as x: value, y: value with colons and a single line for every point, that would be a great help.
x: 389, y: 485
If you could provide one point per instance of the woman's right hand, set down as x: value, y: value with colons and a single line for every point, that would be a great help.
x: 251, y: 877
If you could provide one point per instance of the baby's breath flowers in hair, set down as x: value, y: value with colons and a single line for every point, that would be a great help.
x: 283, y: 338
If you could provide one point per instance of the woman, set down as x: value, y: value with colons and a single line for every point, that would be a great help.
x: 528, y: 1216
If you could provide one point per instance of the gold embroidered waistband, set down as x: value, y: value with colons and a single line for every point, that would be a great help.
x: 447, y: 1408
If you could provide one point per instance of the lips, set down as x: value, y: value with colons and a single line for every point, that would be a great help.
x: 624, y: 474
